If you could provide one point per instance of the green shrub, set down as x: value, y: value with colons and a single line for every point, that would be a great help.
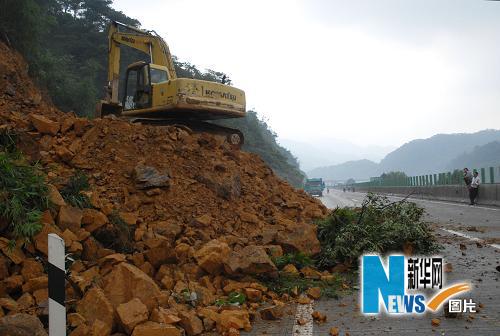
x: 298, y: 259
x: 379, y: 226
x: 23, y: 193
x: 8, y: 140
x: 72, y: 191
x: 288, y: 284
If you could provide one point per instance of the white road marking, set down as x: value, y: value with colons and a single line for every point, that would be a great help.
x: 304, y: 311
x: 463, y: 235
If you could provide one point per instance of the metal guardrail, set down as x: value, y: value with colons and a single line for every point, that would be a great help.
x: 489, y: 175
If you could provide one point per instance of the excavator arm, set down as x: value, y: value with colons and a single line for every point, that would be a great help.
x: 147, y: 42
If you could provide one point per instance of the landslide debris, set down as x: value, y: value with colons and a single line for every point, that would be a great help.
x: 162, y: 223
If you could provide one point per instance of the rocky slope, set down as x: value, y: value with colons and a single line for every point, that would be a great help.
x: 178, y: 220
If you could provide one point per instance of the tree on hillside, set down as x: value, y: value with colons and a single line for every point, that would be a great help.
x: 65, y: 43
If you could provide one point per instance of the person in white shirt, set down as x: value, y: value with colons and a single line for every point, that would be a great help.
x: 474, y: 188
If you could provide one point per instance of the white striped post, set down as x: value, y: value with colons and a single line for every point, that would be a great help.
x: 57, y: 294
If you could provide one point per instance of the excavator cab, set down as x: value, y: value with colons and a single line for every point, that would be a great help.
x: 137, y: 87
x: 140, y: 79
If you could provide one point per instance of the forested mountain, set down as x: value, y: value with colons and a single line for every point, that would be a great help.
x: 440, y: 153
x: 480, y: 157
x: 65, y: 44
x: 435, y: 153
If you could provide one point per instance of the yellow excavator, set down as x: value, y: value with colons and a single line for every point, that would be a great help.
x: 152, y: 93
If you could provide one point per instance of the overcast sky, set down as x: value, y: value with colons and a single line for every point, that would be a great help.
x: 370, y: 72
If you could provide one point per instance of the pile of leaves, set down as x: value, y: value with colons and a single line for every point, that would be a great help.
x: 379, y: 226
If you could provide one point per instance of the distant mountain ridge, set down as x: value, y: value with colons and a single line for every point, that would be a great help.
x: 480, y: 157
x: 358, y: 170
x: 435, y: 153
x: 331, y: 151
x: 439, y: 153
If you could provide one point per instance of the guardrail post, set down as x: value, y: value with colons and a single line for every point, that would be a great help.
x: 57, y: 286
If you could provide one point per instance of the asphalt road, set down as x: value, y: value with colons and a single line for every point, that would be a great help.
x: 457, y: 226
x: 476, y: 221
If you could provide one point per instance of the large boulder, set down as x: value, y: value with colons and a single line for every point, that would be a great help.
x: 70, y: 218
x: 93, y: 219
x: 21, y: 325
x: 251, y: 260
x: 95, y: 306
x: 126, y: 282
x: 15, y: 254
x: 48, y: 226
x: 148, y: 177
x: 191, y: 323
x: 156, y: 329
x: 131, y: 314
x: 299, y: 238
x: 237, y: 319
x: 212, y: 255
x: 45, y: 125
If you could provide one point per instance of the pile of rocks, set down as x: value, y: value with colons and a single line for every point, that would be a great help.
x: 178, y: 220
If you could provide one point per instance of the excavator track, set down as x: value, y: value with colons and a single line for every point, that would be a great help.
x: 233, y: 137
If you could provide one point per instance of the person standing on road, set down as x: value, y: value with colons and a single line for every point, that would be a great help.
x: 467, y: 177
x: 474, y: 188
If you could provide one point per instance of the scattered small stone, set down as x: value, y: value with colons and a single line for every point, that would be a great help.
x: 301, y: 321
x: 318, y: 316
x: 334, y: 331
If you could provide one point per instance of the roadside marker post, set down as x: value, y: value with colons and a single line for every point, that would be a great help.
x: 57, y: 294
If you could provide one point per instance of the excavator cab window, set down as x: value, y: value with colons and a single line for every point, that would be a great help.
x: 158, y: 76
x: 137, y: 88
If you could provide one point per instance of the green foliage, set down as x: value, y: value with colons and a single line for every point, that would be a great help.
x: 234, y: 299
x: 72, y: 191
x: 65, y: 44
x: 8, y: 140
x: 23, y: 194
x: 298, y: 259
x: 261, y: 139
x: 290, y: 284
x: 379, y: 226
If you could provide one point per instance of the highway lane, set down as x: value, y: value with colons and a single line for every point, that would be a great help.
x: 475, y: 221
x: 476, y: 264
